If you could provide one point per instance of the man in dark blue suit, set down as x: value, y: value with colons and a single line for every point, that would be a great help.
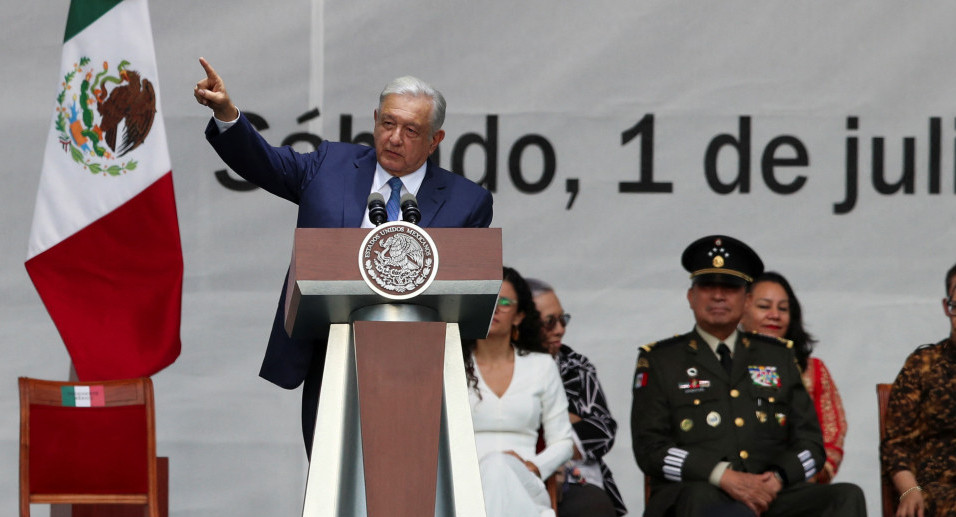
x: 331, y: 185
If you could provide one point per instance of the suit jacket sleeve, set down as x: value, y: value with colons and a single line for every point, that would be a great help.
x: 279, y: 170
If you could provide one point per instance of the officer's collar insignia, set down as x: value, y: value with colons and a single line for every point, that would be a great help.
x: 765, y: 376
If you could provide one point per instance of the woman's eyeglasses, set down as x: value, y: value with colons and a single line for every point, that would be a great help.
x: 550, y: 322
x: 505, y: 304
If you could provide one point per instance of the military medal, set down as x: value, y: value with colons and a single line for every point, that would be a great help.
x: 686, y: 424
x: 765, y: 376
x: 713, y: 419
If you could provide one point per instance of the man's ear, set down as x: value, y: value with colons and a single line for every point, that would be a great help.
x: 436, y: 139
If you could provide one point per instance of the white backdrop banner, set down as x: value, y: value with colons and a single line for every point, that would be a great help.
x: 612, y: 134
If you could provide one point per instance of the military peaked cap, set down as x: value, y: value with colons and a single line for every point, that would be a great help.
x: 719, y: 259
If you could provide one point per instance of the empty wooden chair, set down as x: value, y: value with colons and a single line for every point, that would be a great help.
x: 88, y: 442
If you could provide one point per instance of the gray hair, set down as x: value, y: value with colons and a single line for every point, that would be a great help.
x: 408, y: 85
x: 538, y: 287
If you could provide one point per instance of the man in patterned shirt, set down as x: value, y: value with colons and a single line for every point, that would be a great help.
x: 590, y: 490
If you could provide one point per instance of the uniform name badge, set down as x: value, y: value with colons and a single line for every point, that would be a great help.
x: 693, y: 384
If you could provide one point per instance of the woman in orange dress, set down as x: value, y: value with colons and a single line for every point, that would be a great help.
x: 773, y: 309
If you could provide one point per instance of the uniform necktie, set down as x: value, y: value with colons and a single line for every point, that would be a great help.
x: 392, y: 206
x: 725, y: 360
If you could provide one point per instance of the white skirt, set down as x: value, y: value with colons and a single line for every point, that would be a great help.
x: 511, y: 490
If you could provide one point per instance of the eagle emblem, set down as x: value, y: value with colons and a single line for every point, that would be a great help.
x: 402, y: 253
x: 103, y: 114
x: 398, y: 260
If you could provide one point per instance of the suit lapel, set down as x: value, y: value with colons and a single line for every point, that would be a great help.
x: 431, y: 195
x: 358, y: 191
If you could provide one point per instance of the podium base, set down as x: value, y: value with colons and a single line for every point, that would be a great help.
x: 350, y: 428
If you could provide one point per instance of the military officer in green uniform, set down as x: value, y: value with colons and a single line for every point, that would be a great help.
x: 720, y: 420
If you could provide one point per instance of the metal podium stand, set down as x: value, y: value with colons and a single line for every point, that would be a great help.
x: 393, y: 435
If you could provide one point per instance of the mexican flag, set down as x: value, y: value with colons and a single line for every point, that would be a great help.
x: 83, y: 396
x: 104, y: 251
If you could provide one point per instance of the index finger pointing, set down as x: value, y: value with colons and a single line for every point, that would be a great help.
x: 210, y: 72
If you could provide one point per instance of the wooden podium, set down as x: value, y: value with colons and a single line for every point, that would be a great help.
x: 393, y: 435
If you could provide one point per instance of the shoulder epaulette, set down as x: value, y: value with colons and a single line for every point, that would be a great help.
x: 649, y: 346
x: 769, y: 339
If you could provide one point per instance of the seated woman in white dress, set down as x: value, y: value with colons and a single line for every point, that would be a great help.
x: 515, y: 390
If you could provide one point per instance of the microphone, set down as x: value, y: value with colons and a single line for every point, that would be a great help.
x: 376, y: 209
x: 410, y: 210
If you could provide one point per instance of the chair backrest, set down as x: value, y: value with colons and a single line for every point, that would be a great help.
x: 87, y: 442
x: 887, y: 490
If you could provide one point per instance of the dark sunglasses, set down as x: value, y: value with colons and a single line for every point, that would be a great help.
x: 550, y: 322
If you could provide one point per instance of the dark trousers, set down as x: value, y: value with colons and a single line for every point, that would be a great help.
x: 585, y: 501
x: 701, y: 499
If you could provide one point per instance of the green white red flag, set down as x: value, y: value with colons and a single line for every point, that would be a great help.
x: 104, y: 251
x: 83, y: 396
